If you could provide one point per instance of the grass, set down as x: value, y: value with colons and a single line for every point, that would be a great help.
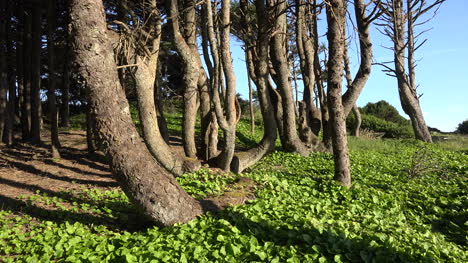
x: 299, y: 214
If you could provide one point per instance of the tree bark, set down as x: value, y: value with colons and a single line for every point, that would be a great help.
x: 51, y: 99
x: 336, y: 15
x: 36, y: 72
x: 9, y: 135
x: 152, y: 189
x: 65, y: 89
x: 357, y: 124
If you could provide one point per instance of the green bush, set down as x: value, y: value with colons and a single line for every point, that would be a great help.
x: 376, y: 124
x: 463, y: 127
x: 385, y: 111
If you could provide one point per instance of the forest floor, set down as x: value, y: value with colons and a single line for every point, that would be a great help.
x: 26, y: 169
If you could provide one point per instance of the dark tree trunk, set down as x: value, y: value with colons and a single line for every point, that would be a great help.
x: 336, y: 11
x: 3, y: 68
x: 51, y: 99
x: 65, y: 106
x: 91, y: 146
x: 9, y: 135
x: 151, y: 188
x: 36, y: 72
x: 27, y: 54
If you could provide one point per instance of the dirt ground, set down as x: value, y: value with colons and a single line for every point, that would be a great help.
x: 26, y: 169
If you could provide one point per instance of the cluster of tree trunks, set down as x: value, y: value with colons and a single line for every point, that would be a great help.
x: 119, y: 55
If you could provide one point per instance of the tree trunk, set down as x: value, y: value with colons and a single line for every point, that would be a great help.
x: 26, y: 96
x: 279, y: 57
x: 65, y: 106
x: 51, y: 99
x: 408, y: 96
x: 356, y: 86
x: 357, y: 124
x: 36, y: 72
x: 91, y: 147
x: 336, y: 14
x: 3, y: 68
x: 152, y: 189
x: 251, y: 105
x: 243, y: 160
x: 306, y: 50
x: 9, y: 135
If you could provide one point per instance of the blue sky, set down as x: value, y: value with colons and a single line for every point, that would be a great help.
x: 441, y: 73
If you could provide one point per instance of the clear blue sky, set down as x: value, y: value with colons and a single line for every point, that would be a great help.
x: 442, y: 72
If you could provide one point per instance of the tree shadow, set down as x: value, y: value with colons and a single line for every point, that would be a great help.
x: 248, y: 143
x: 33, y: 170
x: 125, y: 217
x: 327, y: 242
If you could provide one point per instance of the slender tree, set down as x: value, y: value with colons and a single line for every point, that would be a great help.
x: 398, y: 23
x: 36, y: 36
x: 51, y: 99
x: 336, y: 14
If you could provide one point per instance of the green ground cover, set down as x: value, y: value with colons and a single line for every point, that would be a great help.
x: 408, y: 203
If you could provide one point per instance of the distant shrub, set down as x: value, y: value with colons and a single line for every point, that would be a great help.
x: 376, y: 124
x: 385, y: 111
x: 463, y: 127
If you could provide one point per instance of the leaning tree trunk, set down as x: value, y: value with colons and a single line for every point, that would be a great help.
x: 51, y: 100
x: 336, y: 14
x: 149, y: 186
x: 408, y: 95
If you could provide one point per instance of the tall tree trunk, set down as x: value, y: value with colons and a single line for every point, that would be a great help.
x: 152, y: 189
x: 27, y: 54
x: 279, y: 57
x: 65, y: 106
x: 319, y: 78
x: 306, y: 50
x: 184, y: 41
x: 243, y: 160
x: 36, y: 72
x: 9, y: 135
x: 91, y: 146
x: 51, y: 99
x: 408, y: 95
x: 251, y: 105
x: 3, y: 68
x: 357, y: 85
x: 336, y: 14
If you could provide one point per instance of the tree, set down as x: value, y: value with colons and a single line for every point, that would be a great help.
x: 336, y: 15
x: 51, y: 99
x: 463, y: 127
x: 36, y: 35
x: 399, y: 23
x: 3, y: 67
x: 147, y: 184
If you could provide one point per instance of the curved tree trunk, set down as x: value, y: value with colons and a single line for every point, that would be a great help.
x: 243, y: 160
x: 336, y: 11
x: 151, y: 188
